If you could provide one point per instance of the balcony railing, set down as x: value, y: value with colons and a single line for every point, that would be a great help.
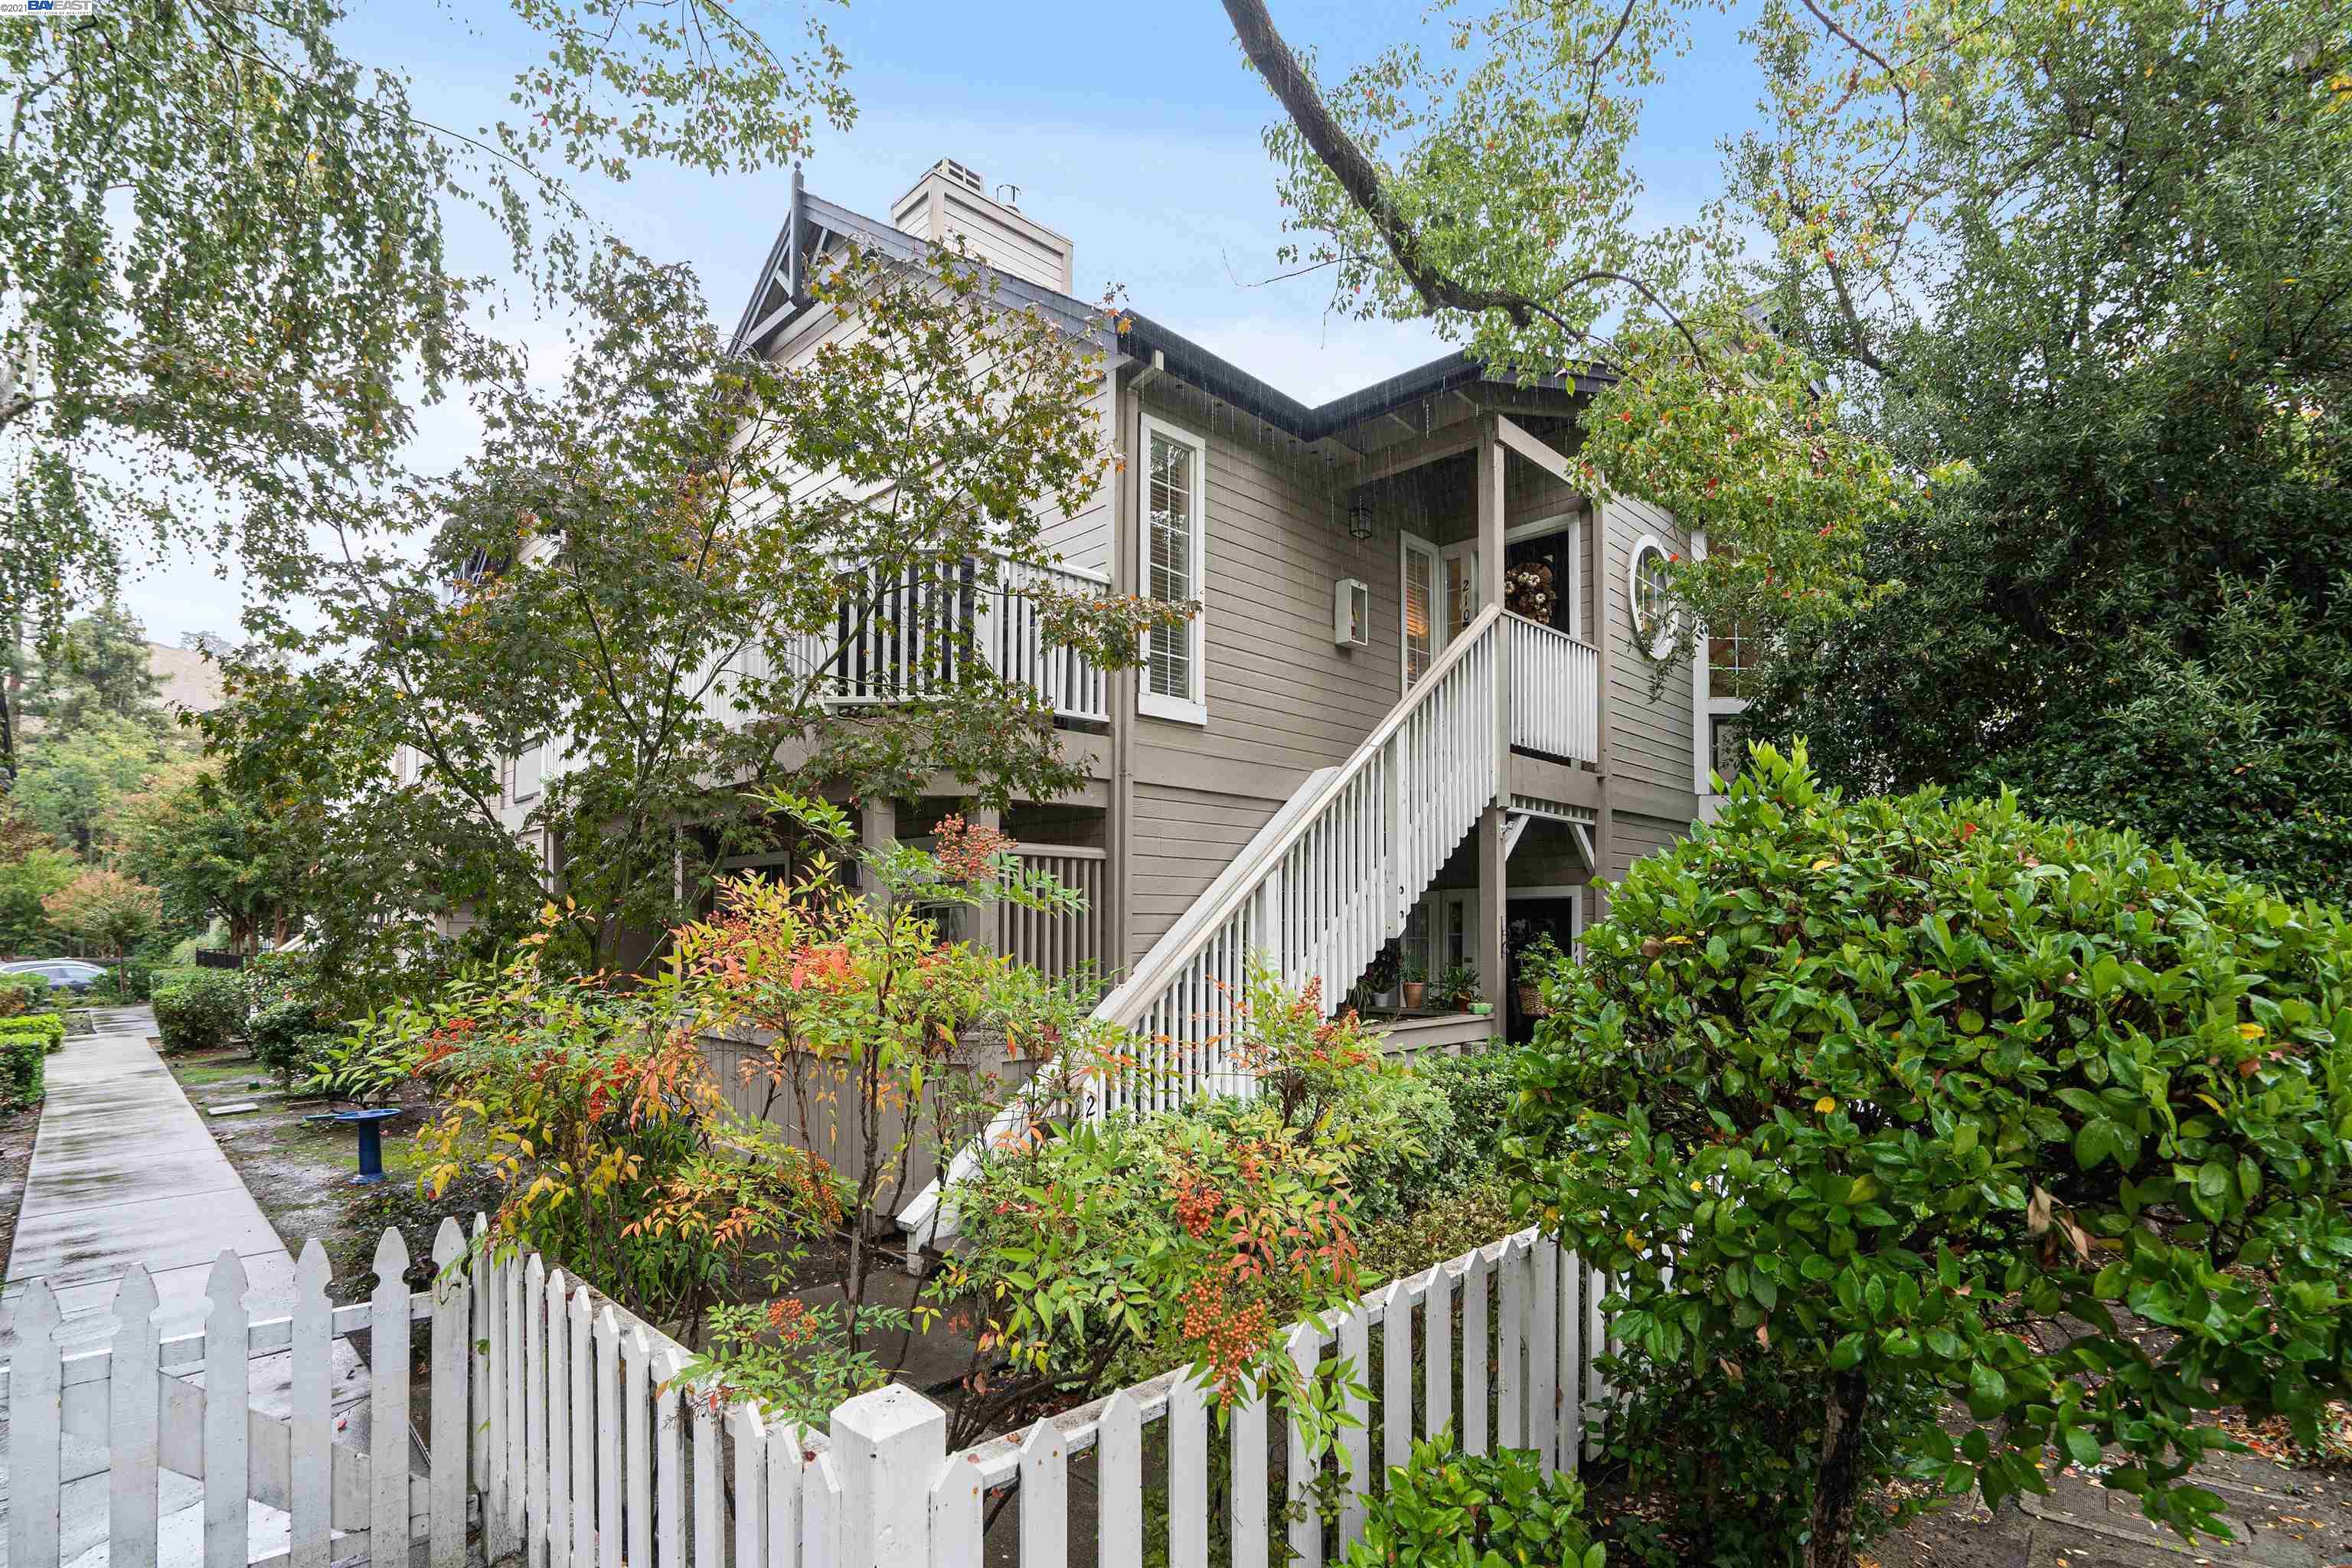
x: 1554, y: 691
x: 902, y: 638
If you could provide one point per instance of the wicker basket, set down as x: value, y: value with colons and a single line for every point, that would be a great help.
x: 1531, y: 1002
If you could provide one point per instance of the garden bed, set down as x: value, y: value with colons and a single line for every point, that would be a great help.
x: 18, y: 1128
x: 299, y: 1171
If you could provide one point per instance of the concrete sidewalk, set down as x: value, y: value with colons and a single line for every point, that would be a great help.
x: 124, y: 1171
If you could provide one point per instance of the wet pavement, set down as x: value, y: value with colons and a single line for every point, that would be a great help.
x: 124, y: 1172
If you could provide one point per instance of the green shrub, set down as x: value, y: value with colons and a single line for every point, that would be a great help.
x: 49, y: 1028
x: 1741, y: 1503
x: 1093, y: 1257
x: 1914, y: 1088
x: 200, y: 1010
x: 287, y: 1036
x: 128, y: 981
x: 25, y: 1042
x: 21, y: 993
x: 1479, y: 1088
x: 1465, y: 1214
x: 1475, y: 1511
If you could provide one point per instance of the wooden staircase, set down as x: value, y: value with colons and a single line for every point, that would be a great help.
x: 1317, y: 891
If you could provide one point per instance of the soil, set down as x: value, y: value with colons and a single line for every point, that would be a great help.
x: 298, y: 1172
x: 2287, y: 1507
x: 18, y: 1128
x: 2282, y: 1514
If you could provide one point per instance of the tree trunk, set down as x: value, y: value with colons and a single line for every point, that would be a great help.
x: 1836, y: 1486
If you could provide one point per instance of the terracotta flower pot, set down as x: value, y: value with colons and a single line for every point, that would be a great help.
x: 1414, y: 992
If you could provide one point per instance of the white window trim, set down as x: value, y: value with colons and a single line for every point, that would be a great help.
x: 1406, y: 544
x: 1571, y: 523
x: 515, y: 767
x: 1193, y: 708
x: 1706, y: 707
x: 1662, y: 644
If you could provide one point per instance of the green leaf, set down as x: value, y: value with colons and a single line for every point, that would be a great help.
x: 1987, y: 1392
x: 2083, y: 1447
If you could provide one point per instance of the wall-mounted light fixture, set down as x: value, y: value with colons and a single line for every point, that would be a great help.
x: 1351, y: 613
x: 1359, y: 520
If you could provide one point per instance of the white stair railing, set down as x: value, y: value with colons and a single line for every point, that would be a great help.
x: 1319, y: 890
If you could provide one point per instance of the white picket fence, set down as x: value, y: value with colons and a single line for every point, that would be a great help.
x: 133, y: 1400
x: 561, y: 1433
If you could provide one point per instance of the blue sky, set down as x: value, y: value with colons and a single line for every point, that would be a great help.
x: 1134, y: 129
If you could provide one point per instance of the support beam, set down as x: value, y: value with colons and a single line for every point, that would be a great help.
x: 877, y: 828
x: 983, y: 924
x: 1537, y: 452
x: 1414, y: 451
x: 1515, y: 832
x: 1491, y: 550
x: 1494, y: 904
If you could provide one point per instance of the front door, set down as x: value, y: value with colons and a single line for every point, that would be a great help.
x: 1440, y: 593
x: 1556, y: 913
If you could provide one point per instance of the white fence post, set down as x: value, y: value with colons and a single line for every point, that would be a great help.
x: 36, y: 1414
x: 134, y: 1411
x: 452, y: 1312
x: 228, y: 1380
x: 311, y: 1520
x: 888, y: 1445
x: 387, y: 1410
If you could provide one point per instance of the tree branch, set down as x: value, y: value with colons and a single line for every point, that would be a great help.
x: 1359, y: 178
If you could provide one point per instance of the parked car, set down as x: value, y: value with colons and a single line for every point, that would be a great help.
x: 71, y: 974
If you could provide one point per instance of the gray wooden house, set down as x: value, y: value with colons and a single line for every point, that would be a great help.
x: 1421, y: 702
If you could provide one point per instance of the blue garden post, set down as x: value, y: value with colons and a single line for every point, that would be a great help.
x: 369, y: 1122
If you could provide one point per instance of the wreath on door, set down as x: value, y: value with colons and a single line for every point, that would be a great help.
x: 1527, y: 590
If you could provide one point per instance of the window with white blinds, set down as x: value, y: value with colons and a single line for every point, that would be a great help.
x: 1417, y: 570
x: 1174, y: 554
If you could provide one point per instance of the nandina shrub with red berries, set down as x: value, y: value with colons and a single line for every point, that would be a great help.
x: 616, y: 1155
x: 1102, y: 1255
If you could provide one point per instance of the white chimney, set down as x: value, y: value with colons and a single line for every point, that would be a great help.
x: 951, y: 200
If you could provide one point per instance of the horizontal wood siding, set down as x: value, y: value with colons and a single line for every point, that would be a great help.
x: 1182, y: 838
x: 1636, y: 836
x: 1650, y: 733
x: 1003, y: 242
x: 1280, y: 693
x: 1082, y: 537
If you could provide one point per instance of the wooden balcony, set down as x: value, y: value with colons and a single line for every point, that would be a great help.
x: 903, y: 638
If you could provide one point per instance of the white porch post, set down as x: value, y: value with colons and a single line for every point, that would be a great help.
x: 877, y: 828
x: 1494, y: 900
x: 983, y: 924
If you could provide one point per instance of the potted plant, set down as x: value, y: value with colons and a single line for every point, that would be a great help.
x: 1379, y: 981
x: 1458, y: 986
x: 1415, y: 982
x: 1537, y: 957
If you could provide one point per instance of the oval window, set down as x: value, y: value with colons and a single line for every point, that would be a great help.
x: 1649, y: 596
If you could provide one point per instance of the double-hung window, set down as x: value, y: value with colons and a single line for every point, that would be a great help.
x: 1173, y: 556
